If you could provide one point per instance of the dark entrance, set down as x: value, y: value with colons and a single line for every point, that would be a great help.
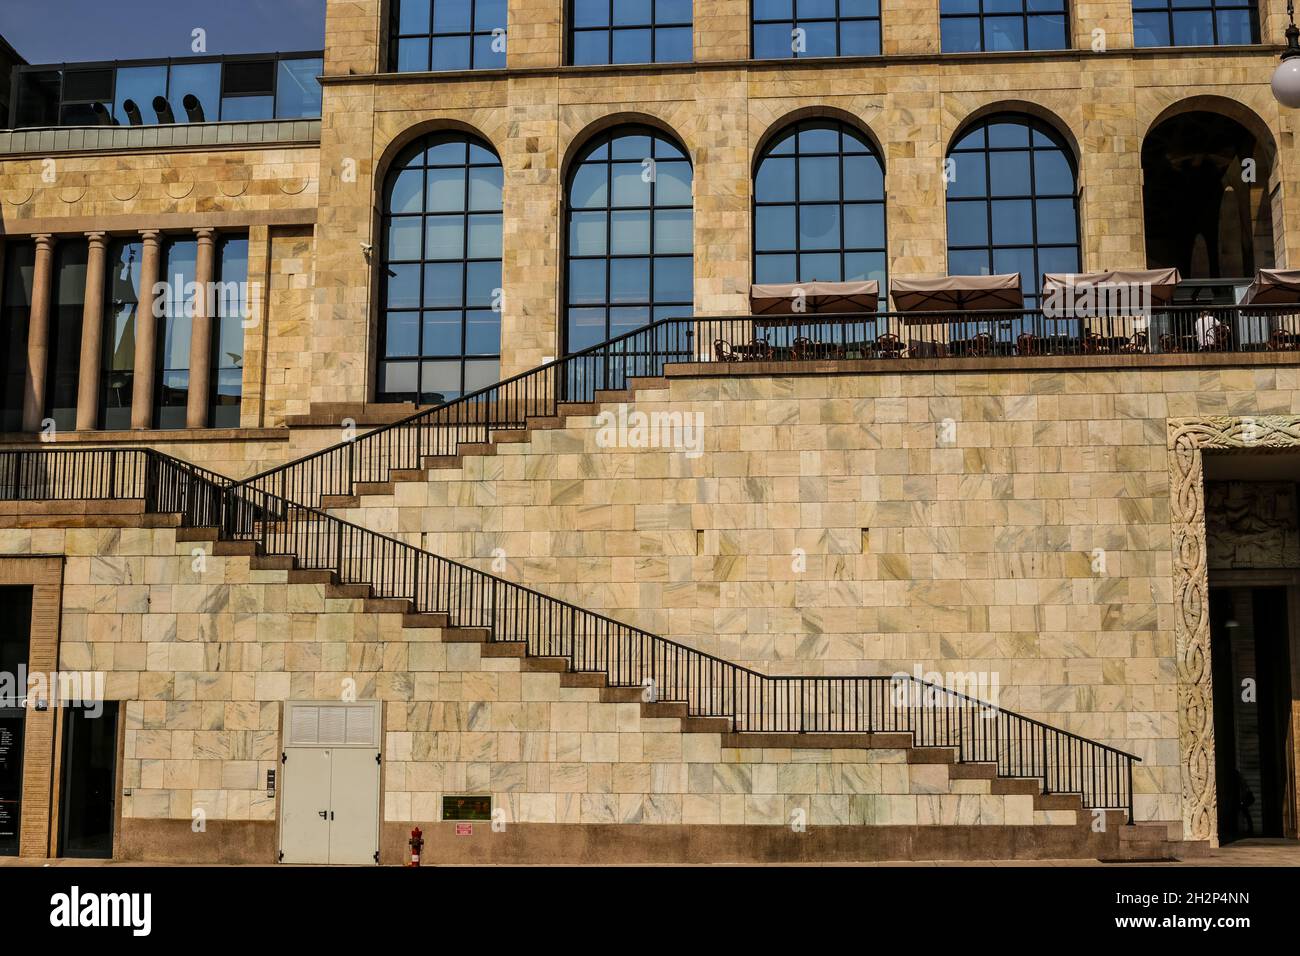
x: 89, y: 781
x: 1250, y: 653
x: 15, y: 641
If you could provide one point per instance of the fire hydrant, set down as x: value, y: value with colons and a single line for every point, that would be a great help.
x: 416, y: 843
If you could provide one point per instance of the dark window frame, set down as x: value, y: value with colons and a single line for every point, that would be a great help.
x: 112, y: 66
x: 838, y: 20
x: 1025, y: 15
x: 871, y: 150
x: 987, y: 197
x: 179, y: 302
x: 413, y: 154
x: 395, y: 36
x: 654, y: 26
x: 1212, y: 7
x: 109, y: 326
x: 215, y: 357
x: 606, y: 139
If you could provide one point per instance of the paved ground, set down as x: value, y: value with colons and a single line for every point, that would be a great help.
x: 1244, y: 853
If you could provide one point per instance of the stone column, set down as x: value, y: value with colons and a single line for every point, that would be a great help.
x: 92, y: 334
x: 196, y: 405
x: 38, y: 334
x: 146, y: 334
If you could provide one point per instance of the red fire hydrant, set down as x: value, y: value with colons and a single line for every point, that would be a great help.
x: 417, y: 844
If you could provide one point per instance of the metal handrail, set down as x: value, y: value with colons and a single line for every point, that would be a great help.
x: 666, y: 670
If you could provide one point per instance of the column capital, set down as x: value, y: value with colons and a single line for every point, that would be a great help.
x: 43, y: 239
x: 205, y: 233
x: 96, y: 237
x: 150, y: 235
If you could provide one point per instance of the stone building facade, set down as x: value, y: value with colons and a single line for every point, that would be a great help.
x: 826, y: 528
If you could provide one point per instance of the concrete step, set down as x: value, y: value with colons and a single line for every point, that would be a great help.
x: 466, y: 635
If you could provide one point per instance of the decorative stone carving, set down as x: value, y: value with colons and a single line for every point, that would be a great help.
x: 1251, y: 524
x: 1188, y: 438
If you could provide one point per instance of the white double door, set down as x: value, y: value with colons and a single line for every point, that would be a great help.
x: 330, y: 800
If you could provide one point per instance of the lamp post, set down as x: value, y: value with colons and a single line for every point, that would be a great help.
x: 1286, y: 78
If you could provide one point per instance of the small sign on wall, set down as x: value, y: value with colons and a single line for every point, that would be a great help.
x: 464, y: 829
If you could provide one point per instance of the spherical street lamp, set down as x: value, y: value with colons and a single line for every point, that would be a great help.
x: 1286, y: 78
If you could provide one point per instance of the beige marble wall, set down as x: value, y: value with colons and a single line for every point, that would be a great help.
x: 203, y: 651
x: 1011, y: 524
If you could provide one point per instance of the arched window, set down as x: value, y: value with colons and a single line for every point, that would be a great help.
x: 1012, y: 202
x: 967, y: 26
x: 440, y: 288
x: 819, y: 207
x: 629, y: 31
x: 796, y: 28
x: 630, y: 235
x: 447, y: 35
x: 1194, y: 22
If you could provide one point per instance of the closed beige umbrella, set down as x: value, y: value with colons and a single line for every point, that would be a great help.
x: 1159, y: 284
x: 958, y: 293
x: 1274, y: 287
x: 816, y: 297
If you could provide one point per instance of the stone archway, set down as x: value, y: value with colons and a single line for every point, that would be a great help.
x: 1189, y: 438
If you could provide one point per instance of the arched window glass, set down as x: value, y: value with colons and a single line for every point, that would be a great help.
x: 819, y: 207
x: 440, y: 288
x: 796, y: 28
x: 629, y: 31
x: 967, y: 26
x: 448, y: 35
x: 630, y: 236
x: 1012, y: 202
x: 1194, y: 22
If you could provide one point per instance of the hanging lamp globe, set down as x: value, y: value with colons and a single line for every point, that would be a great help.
x: 1286, y: 78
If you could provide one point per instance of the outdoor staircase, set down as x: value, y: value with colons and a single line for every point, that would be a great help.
x: 277, y: 519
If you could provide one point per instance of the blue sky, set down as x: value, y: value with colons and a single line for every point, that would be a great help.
x: 51, y: 31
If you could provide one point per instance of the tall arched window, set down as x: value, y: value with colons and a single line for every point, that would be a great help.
x: 630, y: 31
x: 440, y: 289
x: 969, y: 26
x: 819, y: 206
x: 447, y: 35
x: 1194, y: 22
x: 630, y: 235
x: 799, y: 28
x: 1012, y: 202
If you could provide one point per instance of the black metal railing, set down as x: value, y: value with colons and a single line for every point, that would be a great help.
x: 665, y: 670
x: 1025, y: 335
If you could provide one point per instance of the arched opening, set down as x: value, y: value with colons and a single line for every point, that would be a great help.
x: 1012, y: 201
x: 629, y: 235
x: 1207, y: 202
x: 440, y: 270
x: 819, y: 206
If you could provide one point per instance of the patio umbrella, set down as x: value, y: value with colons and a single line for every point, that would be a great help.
x: 817, y: 297
x: 958, y: 293
x: 1274, y: 287
x: 1160, y: 283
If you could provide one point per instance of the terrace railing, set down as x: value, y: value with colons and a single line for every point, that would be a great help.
x: 1027, y: 335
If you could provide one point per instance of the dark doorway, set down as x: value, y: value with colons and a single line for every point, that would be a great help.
x: 15, y: 643
x: 1250, y: 654
x: 1206, y: 194
x: 89, y: 781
